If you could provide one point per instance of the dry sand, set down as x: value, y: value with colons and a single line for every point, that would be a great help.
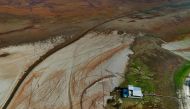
x: 181, y: 48
x: 14, y: 60
x: 64, y: 79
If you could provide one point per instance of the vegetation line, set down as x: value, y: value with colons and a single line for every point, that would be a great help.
x: 90, y: 85
x: 181, y: 74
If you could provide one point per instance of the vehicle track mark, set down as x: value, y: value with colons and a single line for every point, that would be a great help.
x: 90, y: 85
x: 51, y: 52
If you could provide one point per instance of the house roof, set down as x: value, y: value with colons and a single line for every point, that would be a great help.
x: 136, y: 90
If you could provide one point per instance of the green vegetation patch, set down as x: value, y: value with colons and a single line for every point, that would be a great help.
x: 139, y: 75
x: 181, y: 74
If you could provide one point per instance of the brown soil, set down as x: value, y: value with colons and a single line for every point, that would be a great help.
x: 56, y: 17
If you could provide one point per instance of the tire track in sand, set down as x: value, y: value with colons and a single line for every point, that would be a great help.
x: 67, y: 42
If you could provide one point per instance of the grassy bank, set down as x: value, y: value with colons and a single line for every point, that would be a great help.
x: 181, y: 74
x: 152, y: 68
x: 139, y: 75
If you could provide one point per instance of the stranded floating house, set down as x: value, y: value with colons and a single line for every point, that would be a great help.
x: 131, y: 92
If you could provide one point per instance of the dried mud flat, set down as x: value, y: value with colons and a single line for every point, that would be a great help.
x: 79, y: 75
x: 15, y: 60
x: 82, y: 74
x: 24, y: 21
x: 181, y: 47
